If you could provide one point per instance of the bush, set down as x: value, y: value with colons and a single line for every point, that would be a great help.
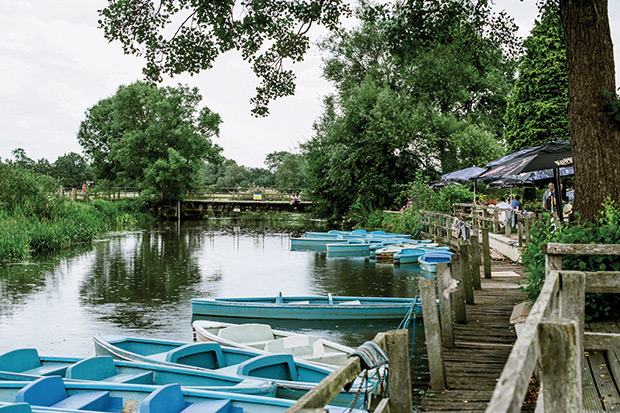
x: 606, y: 230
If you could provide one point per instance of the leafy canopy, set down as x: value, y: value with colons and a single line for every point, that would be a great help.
x: 420, y: 86
x: 177, y: 36
x: 150, y: 137
x: 537, y: 108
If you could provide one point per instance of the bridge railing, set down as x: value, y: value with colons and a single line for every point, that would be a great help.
x: 553, y: 335
x: 243, y: 194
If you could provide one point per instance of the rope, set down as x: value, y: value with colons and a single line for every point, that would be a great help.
x: 412, y: 339
x: 404, y: 324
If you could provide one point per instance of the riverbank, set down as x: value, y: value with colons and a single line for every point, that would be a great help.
x: 64, y: 224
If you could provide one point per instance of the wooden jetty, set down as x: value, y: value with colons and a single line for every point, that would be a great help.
x: 481, y: 346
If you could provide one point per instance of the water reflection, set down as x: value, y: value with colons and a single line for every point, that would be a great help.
x: 140, y: 283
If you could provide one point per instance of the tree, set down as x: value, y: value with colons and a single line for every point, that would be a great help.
x: 404, y: 103
x: 71, y: 169
x: 537, y: 108
x: 187, y: 36
x: 154, y: 138
x: 595, y: 138
x: 291, y: 172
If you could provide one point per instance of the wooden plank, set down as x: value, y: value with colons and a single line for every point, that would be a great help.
x: 604, y: 383
x: 603, y: 282
x: 445, y: 282
x: 553, y: 248
x: 433, y: 335
x: 560, y: 359
x: 591, y: 397
x: 460, y: 315
x: 475, y: 259
x: 399, y: 376
x: 486, y: 252
x: 466, y: 272
x: 513, y: 383
x: 601, y: 341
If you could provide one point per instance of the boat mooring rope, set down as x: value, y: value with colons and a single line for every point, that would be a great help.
x: 404, y: 324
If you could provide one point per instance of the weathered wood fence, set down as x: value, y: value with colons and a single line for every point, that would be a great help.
x: 395, y: 344
x: 553, y: 336
x: 497, y: 220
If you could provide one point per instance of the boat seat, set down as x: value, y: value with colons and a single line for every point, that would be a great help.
x: 51, y: 392
x: 102, y: 368
x: 205, y: 355
x: 299, y: 302
x: 15, y: 408
x: 334, y: 358
x: 298, y: 346
x: 250, y: 334
x: 270, y: 366
x: 169, y: 399
x: 351, y: 302
x: 27, y: 361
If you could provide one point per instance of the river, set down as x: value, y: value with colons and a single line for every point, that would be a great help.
x: 139, y: 283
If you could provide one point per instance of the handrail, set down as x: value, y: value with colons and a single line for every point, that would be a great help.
x: 563, y: 340
x: 394, y: 343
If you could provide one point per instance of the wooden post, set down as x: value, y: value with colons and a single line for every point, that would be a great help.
x: 520, y: 233
x: 486, y: 252
x: 433, y: 336
x: 507, y: 226
x: 495, y: 221
x: 475, y: 259
x: 396, y: 344
x: 466, y: 271
x: 552, y: 262
x: 444, y: 276
x: 459, y: 295
x: 561, y: 368
x: 573, y: 302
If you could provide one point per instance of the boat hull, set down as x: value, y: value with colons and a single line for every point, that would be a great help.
x: 306, y: 308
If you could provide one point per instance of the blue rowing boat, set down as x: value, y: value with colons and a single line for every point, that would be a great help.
x: 429, y: 260
x: 25, y: 364
x: 293, y: 378
x: 53, y: 394
x: 307, y: 307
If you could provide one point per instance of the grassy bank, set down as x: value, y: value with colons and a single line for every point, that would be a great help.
x: 63, y: 224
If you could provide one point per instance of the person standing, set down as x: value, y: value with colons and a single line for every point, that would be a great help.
x: 549, y: 199
x: 516, y: 203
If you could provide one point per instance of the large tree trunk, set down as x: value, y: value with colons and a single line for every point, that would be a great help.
x: 594, y: 136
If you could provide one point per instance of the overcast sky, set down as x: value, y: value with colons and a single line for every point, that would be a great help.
x: 55, y: 64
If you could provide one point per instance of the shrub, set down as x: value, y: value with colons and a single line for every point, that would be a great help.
x: 606, y: 230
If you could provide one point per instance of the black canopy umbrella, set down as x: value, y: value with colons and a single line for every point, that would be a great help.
x: 552, y: 155
x: 467, y: 174
x: 463, y: 174
x: 511, y: 183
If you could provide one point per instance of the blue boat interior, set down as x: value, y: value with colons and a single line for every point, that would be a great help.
x: 27, y: 361
x: 15, y: 408
x: 102, y: 368
x: 169, y: 399
x: 270, y: 366
x: 51, y: 392
x: 205, y: 355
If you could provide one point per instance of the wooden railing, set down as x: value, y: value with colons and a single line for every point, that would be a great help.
x: 394, y: 343
x: 243, y: 194
x: 553, y: 335
x: 481, y: 215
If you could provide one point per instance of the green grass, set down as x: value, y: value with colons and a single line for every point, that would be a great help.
x: 63, y: 225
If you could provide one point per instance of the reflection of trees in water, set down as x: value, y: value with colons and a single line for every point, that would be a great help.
x: 362, y: 277
x: 18, y: 281
x: 148, y: 267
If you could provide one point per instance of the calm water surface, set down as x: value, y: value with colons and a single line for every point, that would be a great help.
x: 140, y: 283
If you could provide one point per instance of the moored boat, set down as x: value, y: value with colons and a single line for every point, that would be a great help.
x: 307, y: 307
x: 429, y: 260
x: 315, y: 243
x: 292, y: 377
x: 408, y: 255
x: 261, y: 337
x: 52, y: 393
x: 25, y: 364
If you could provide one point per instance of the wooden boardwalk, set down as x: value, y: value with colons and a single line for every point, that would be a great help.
x: 482, y: 345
